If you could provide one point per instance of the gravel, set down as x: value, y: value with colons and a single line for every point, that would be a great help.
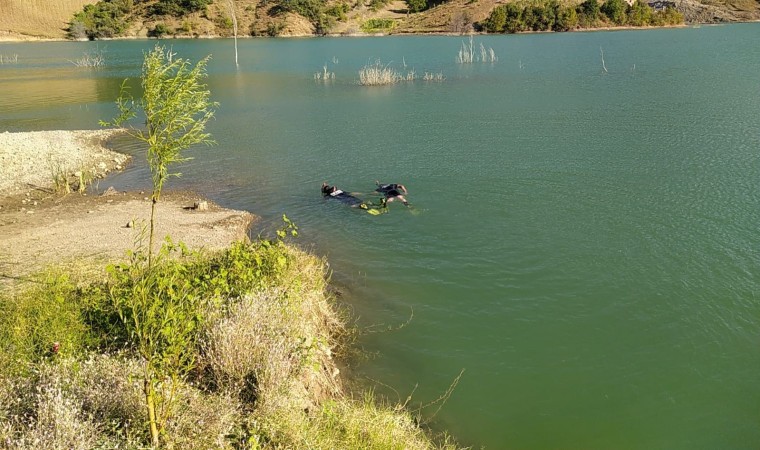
x: 31, y: 160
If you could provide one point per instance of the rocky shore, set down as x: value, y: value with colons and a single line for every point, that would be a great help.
x: 41, y: 225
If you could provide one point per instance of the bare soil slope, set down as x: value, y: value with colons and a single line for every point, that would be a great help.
x: 21, y: 19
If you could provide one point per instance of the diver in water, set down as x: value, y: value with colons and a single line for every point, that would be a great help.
x: 338, y: 194
x: 351, y: 200
x: 392, y: 192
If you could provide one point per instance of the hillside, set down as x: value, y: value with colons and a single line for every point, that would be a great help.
x: 37, y: 18
x: 45, y: 19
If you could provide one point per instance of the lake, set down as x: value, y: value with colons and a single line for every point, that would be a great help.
x: 583, y: 242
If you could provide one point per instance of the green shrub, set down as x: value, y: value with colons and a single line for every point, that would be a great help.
x: 515, y: 21
x: 378, y: 25
x: 224, y: 22
x: 589, y: 10
x: 496, y: 20
x: 255, y: 317
x: 375, y: 5
x: 349, y: 424
x: 567, y: 19
x: 639, y: 14
x: 106, y: 18
x: 615, y: 10
x: 546, y: 15
x: 160, y: 30
x: 314, y: 10
x: 161, y: 313
x: 186, y: 27
x: 311, y: 9
x: 45, y: 321
x: 417, y: 5
x: 178, y: 8
x: 670, y: 16
x: 338, y: 11
x: 274, y: 28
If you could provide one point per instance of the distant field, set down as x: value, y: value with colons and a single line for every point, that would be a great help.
x: 40, y: 18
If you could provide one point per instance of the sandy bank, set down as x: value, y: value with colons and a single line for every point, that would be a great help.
x: 31, y: 160
x: 39, y: 227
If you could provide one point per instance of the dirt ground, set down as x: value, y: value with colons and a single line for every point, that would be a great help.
x: 39, y: 227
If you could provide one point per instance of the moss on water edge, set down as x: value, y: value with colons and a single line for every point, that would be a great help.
x: 263, y: 373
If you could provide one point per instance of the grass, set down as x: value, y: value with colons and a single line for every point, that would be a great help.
x: 264, y: 374
x: 39, y: 17
x: 429, y: 76
x: 60, y: 178
x: 378, y: 74
x: 378, y: 25
x: 325, y: 75
x: 93, y: 59
x: 64, y: 181
x: 84, y: 179
x: 9, y: 59
x: 467, y: 55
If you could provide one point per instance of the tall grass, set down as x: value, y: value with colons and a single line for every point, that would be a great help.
x: 378, y: 74
x: 325, y: 75
x: 265, y: 375
x: 92, y: 59
x: 64, y: 181
x: 430, y: 76
x: 378, y: 25
x: 9, y: 59
x: 59, y: 176
x: 466, y: 54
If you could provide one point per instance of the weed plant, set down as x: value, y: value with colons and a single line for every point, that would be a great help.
x: 467, y: 55
x: 9, y: 59
x: 325, y: 75
x: 378, y: 25
x: 241, y: 341
x: 378, y: 74
x: 430, y: 76
x: 93, y: 59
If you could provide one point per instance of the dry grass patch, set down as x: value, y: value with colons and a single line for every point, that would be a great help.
x: 378, y: 74
x: 43, y: 18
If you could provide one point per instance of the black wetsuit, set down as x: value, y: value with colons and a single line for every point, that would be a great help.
x: 391, y: 190
x: 333, y: 192
x: 387, y: 188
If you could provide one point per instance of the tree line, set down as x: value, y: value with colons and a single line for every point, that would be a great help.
x: 551, y: 15
x: 111, y: 18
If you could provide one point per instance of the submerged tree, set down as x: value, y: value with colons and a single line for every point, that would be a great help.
x: 177, y: 106
x: 233, y: 13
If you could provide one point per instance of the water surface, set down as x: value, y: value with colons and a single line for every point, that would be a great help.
x: 583, y: 243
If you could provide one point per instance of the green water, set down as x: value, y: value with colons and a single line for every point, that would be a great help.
x: 584, y: 244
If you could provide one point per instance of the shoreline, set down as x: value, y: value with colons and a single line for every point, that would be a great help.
x: 284, y: 333
x: 11, y: 38
x: 43, y: 225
